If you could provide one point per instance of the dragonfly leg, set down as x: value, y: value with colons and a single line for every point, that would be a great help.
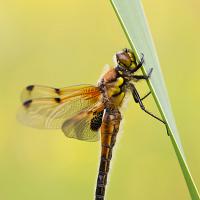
x: 144, y: 97
x: 139, y: 64
x: 139, y: 77
x: 137, y: 99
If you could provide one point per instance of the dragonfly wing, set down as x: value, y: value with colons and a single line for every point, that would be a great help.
x: 52, y: 110
x: 82, y: 126
x: 40, y: 91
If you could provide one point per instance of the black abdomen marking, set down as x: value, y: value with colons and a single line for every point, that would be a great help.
x: 96, y: 121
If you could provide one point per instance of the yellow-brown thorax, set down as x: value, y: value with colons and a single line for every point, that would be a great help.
x: 113, y: 89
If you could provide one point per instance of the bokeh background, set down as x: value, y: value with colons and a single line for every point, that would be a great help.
x: 60, y: 43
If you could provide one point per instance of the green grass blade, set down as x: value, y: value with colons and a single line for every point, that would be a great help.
x: 131, y: 16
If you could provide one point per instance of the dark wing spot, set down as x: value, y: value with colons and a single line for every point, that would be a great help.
x: 58, y: 100
x: 57, y: 90
x: 96, y: 121
x: 30, y: 87
x: 27, y: 103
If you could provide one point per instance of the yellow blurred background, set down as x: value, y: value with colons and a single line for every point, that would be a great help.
x: 60, y: 43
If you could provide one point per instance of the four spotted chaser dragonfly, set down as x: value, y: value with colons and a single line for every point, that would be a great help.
x: 82, y: 111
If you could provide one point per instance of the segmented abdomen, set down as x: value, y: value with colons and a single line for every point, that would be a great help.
x: 109, y: 130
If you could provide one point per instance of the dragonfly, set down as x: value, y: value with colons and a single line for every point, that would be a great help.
x: 88, y: 112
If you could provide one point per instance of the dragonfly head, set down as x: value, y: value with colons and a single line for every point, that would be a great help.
x: 126, y: 59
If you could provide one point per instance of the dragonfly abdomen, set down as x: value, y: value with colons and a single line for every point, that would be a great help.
x: 109, y: 130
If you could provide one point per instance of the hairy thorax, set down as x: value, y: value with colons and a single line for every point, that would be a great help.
x: 113, y: 87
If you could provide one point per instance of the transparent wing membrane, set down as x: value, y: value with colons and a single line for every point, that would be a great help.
x: 46, y: 107
x: 79, y: 127
x: 39, y: 91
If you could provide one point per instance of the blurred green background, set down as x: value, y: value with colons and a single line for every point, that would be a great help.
x: 60, y: 43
